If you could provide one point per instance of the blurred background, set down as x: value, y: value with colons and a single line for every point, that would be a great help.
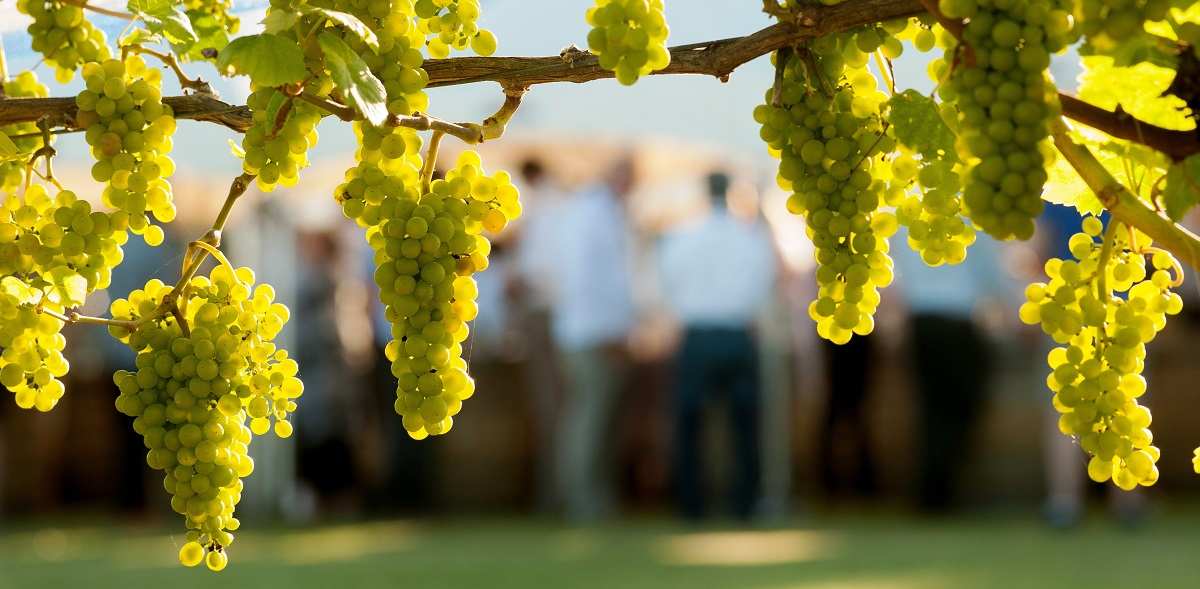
x: 653, y: 406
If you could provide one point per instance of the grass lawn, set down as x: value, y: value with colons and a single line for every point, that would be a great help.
x: 856, y: 552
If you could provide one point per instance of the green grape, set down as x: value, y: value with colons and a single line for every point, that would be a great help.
x: 193, y: 391
x: 129, y: 130
x: 1102, y: 308
x: 1005, y: 104
x: 825, y: 128
x: 62, y: 34
x: 629, y: 37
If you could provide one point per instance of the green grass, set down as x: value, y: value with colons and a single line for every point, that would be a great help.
x: 830, y: 553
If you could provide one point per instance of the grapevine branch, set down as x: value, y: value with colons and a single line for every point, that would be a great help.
x: 714, y: 58
x: 1125, y: 206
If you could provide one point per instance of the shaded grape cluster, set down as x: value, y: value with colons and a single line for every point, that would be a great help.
x: 276, y: 145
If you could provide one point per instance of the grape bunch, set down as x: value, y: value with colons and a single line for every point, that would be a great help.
x: 63, y: 36
x: 209, y: 14
x: 933, y: 214
x: 1116, y: 21
x: 398, y: 62
x: 825, y: 134
x: 53, y: 252
x: 193, y: 392
x: 129, y: 130
x: 629, y: 37
x: 425, y: 252
x: 276, y: 150
x: 12, y: 171
x: 1096, y: 372
x: 452, y: 24
x: 1005, y: 102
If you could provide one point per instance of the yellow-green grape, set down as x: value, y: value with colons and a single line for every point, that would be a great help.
x: 12, y: 170
x: 277, y: 150
x: 629, y: 37
x: 826, y: 132
x: 452, y: 24
x: 932, y: 214
x: 63, y: 35
x: 198, y: 396
x: 129, y: 130
x: 1108, y: 23
x: 1102, y: 308
x: 398, y: 62
x: 1005, y: 102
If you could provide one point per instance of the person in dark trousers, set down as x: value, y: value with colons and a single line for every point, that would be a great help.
x: 951, y: 358
x: 716, y: 274
x: 847, y: 371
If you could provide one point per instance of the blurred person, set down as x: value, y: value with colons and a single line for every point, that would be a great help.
x: 845, y: 428
x: 1065, y: 464
x: 592, y: 314
x: 951, y: 358
x: 716, y: 274
x: 530, y: 292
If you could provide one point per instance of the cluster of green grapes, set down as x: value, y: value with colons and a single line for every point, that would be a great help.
x: 53, y: 252
x: 1005, y: 102
x: 217, y: 12
x: 276, y: 153
x: 933, y: 215
x: 129, y: 130
x: 398, y: 62
x: 193, y: 391
x: 825, y: 149
x: 1096, y: 371
x: 1116, y: 21
x: 32, y: 361
x: 452, y: 24
x: 425, y: 252
x: 12, y: 171
x: 62, y: 34
x: 629, y: 37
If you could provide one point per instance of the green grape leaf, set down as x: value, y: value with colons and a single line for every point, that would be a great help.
x: 359, y: 86
x: 279, y: 20
x: 8, y: 149
x: 350, y: 22
x: 210, y: 34
x: 1132, y: 51
x: 139, y: 36
x: 1182, y: 189
x: 67, y: 287
x: 918, y: 126
x: 269, y: 60
x: 150, y: 7
x: 175, y: 26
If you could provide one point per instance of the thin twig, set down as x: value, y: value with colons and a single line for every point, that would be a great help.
x: 185, y: 82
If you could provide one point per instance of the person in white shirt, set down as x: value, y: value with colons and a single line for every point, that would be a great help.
x: 716, y: 274
x: 592, y: 314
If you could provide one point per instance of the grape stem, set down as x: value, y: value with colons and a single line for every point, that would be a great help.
x: 75, y: 317
x: 885, y: 71
x: 435, y: 141
x: 169, y: 60
x: 1123, y: 204
x: 1106, y: 250
x: 100, y: 9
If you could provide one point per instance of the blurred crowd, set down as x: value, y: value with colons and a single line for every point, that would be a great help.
x: 625, y: 366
